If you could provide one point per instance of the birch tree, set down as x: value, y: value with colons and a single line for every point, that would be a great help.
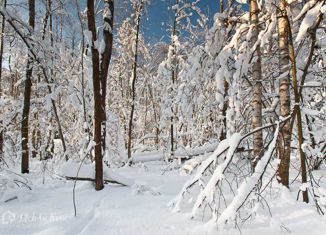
x: 257, y: 78
x: 284, y: 92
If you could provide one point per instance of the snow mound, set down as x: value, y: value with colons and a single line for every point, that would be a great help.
x: 142, y: 188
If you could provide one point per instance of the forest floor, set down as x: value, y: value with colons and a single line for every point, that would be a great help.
x: 141, y: 210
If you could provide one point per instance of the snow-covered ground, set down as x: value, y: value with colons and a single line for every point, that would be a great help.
x: 141, y: 209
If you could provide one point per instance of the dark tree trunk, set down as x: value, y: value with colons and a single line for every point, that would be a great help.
x: 27, y: 97
x: 173, y: 79
x: 100, y: 73
x: 97, y: 98
x: 85, y: 115
x: 226, y: 91
x: 105, y: 62
x: 133, y: 84
x: 1, y: 54
x: 46, y: 17
x: 297, y: 109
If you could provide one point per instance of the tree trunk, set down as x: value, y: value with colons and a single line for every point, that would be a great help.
x: 134, y: 77
x: 1, y: 46
x: 1, y: 54
x: 46, y: 17
x: 221, y: 6
x: 173, y: 79
x: 226, y: 91
x: 257, y: 78
x: 105, y: 62
x: 27, y: 97
x: 298, y: 112
x: 86, y: 130
x: 284, y: 141
x: 97, y: 98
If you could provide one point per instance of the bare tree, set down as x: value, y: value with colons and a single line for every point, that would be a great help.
x: 257, y: 78
x: 284, y: 142
x: 298, y: 112
x: 138, y: 13
x: 100, y: 71
x: 27, y: 97
x: 1, y: 56
x: 226, y: 88
x: 97, y: 97
x: 174, y: 71
x: 106, y: 58
x: 1, y: 45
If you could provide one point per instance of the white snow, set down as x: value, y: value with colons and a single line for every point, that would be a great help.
x: 208, y: 192
x: 70, y: 169
x: 309, y: 20
x: 47, y: 210
x: 248, y: 185
x: 223, y: 145
x: 242, y: 1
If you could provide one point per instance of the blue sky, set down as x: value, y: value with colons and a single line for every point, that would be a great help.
x: 159, y: 17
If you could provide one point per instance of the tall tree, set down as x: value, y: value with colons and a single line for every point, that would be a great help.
x: 297, y: 109
x: 226, y: 87
x: 257, y: 78
x: 27, y: 97
x: 284, y: 92
x: 1, y: 56
x: 108, y: 14
x: 100, y: 71
x: 138, y: 8
x: 174, y: 71
x: 3, y: 21
x: 97, y: 97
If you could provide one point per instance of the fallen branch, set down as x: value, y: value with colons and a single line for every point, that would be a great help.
x: 106, y: 181
x: 248, y: 186
x: 11, y: 199
x: 221, y: 149
x: 23, y: 183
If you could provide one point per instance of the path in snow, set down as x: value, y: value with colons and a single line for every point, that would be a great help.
x: 117, y: 210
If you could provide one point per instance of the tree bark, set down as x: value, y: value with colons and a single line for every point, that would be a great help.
x: 298, y: 112
x: 284, y: 141
x: 138, y: 14
x: 86, y: 130
x: 105, y: 61
x: 226, y: 91
x: 27, y: 97
x: 1, y: 55
x: 173, y: 79
x: 46, y: 17
x: 221, y: 6
x: 1, y: 45
x: 97, y: 98
x: 257, y: 89
x: 100, y: 73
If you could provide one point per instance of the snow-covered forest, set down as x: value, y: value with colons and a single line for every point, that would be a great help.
x: 216, y: 128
